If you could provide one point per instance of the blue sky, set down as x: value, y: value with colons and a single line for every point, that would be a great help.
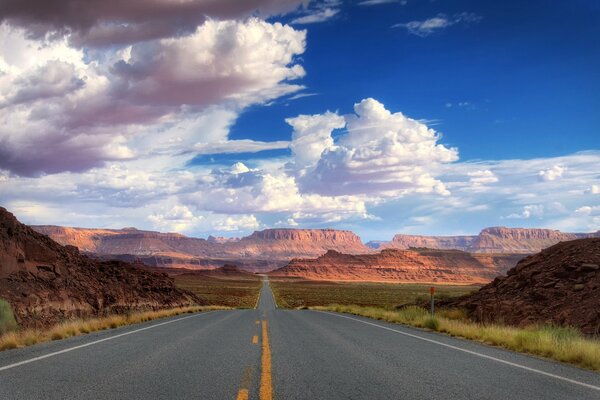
x: 425, y: 117
x: 527, y: 73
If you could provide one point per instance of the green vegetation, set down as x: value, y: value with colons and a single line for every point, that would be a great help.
x: 234, y: 292
x: 293, y: 293
x: 558, y: 343
x: 27, y: 337
x: 7, y: 318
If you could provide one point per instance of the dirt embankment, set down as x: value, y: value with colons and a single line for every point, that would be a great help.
x: 560, y: 285
x: 46, y: 283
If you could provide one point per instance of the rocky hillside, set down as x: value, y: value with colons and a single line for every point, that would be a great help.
x: 46, y: 283
x: 489, y: 240
x: 560, y: 285
x: 261, y: 251
x: 391, y: 265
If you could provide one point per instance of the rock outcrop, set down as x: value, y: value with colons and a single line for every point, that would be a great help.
x: 560, y: 285
x: 391, y: 265
x: 46, y: 283
x: 261, y: 251
x: 489, y: 240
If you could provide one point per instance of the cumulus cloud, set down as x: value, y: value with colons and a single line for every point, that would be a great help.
x: 244, y: 61
x: 312, y: 136
x: 180, y: 219
x: 551, y: 174
x: 242, y: 190
x: 106, y: 23
x: 439, y: 22
x: 381, y: 154
x: 100, y: 108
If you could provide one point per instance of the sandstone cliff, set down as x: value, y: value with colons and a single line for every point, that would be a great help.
x: 560, y: 285
x: 391, y: 265
x: 489, y: 240
x: 261, y: 251
x: 45, y: 282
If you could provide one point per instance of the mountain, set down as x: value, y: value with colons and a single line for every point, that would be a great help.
x: 489, y: 240
x: 46, y: 283
x: 392, y: 265
x: 261, y: 251
x: 560, y: 285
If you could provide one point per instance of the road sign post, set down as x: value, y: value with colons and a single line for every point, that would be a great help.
x: 432, y: 292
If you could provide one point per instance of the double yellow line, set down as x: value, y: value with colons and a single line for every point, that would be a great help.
x: 266, y: 379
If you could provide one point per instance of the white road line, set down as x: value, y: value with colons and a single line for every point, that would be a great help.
x: 17, y: 364
x: 537, y: 371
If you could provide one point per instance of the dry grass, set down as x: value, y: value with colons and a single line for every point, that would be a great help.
x: 67, y: 329
x: 291, y: 293
x: 236, y: 292
x: 558, y: 343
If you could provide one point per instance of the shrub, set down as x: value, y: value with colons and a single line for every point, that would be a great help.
x: 432, y: 323
x: 7, y: 318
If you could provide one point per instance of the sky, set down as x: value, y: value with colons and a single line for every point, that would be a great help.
x: 224, y: 117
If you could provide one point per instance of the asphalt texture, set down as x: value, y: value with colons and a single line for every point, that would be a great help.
x: 311, y: 355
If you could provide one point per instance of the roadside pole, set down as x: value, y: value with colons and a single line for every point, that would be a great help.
x: 432, y: 293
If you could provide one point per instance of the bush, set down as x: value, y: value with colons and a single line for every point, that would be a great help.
x: 432, y: 323
x: 7, y: 318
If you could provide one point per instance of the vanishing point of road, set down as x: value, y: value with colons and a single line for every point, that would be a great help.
x: 269, y: 353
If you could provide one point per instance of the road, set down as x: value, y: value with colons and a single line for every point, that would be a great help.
x: 268, y: 353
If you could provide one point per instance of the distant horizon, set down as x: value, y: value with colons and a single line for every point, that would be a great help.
x: 364, y: 240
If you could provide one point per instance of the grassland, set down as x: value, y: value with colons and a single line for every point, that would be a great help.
x: 293, y: 293
x: 27, y: 337
x: 384, y: 302
x: 234, y: 292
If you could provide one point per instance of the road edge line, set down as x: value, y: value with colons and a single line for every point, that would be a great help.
x: 69, y: 349
x: 562, y: 378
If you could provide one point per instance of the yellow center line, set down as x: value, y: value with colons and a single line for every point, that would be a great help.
x: 266, y: 381
x: 255, y: 339
x: 242, y: 395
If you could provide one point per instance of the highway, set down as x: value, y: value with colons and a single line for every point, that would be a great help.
x: 269, y: 353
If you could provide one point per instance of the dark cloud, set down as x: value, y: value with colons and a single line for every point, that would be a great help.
x: 112, y: 22
x: 56, y: 78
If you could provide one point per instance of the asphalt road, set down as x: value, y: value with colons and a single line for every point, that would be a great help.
x: 269, y: 353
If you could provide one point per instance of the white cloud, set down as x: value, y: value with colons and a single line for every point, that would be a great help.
x: 238, y: 223
x: 180, y: 219
x: 381, y: 154
x: 588, y: 210
x: 240, y: 189
x: 378, y: 2
x: 482, y: 177
x: 441, y: 21
x: 318, y: 11
x: 594, y: 189
x: 104, y: 103
x: 551, y: 174
x: 240, y: 146
x: 312, y: 136
x: 533, y: 210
